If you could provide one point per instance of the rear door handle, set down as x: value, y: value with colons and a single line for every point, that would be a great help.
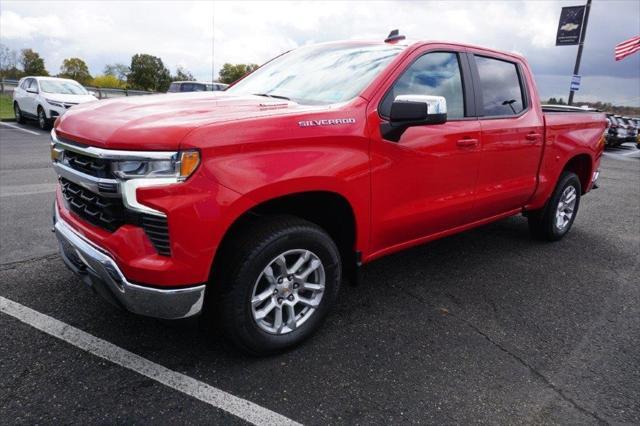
x: 467, y: 143
x: 533, y: 136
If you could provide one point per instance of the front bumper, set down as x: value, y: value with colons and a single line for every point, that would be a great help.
x: 101, y: 273
x: 55, y: 111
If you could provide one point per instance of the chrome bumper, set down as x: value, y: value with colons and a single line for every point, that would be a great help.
x: 101, y: 273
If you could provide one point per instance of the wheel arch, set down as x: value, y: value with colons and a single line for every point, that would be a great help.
x: 582, y: 166
x: 329, y: 210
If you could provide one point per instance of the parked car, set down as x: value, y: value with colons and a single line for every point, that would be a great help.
x: 611, y: 132
x: 250, y: 206
x: 632, y: 130
x: 637, y: 123
x: 46, y: 98
x: 196, y: 86
x: 622, y: 132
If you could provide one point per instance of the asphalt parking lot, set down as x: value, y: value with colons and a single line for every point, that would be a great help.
x: 484, y: 327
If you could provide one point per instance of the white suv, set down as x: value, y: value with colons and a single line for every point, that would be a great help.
x: 46, y: 98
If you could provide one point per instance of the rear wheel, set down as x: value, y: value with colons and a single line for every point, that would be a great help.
x: 43, y: 122
x: 280, y: 278
x: 18, y: 113
x: 555, y: 220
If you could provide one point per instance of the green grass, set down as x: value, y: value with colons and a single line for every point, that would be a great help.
x: 6, y: 107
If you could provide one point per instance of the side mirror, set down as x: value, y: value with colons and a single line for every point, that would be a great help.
x: 31, y: 90
x: 413, y: 110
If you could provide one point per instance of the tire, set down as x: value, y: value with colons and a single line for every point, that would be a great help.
x: 244, y: 278
x: 43, y: 122
x: 18, y: 113
x: 550, y: 223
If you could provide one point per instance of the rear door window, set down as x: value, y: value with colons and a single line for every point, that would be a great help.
x: 501, y: 88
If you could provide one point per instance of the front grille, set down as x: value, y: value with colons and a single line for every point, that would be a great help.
x: 110, y: 214
x: 93, y: 166
x: 107, y: 213
x: 157, y: 230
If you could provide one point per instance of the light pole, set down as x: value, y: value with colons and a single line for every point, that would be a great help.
x: 583, y: 33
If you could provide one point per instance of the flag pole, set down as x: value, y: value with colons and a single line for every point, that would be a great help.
x: 583, y: 33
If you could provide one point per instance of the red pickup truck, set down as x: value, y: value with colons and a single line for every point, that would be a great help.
x: 251, y: 206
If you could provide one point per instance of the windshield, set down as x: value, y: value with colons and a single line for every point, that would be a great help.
x: 318, y: 75
x: 64, y: 87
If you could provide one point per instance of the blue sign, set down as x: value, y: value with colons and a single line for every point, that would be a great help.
x: 575, y: 83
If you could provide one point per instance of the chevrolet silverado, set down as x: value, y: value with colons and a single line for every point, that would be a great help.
x: 249, y: 207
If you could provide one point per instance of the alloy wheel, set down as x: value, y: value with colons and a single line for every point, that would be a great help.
x: 42, y: 119
x: 288, y: 291
x: 566, y: 207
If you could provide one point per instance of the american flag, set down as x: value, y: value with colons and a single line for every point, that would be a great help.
x: 627, y: 47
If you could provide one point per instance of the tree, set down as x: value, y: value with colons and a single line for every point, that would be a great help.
x: 233, y: 72
x: 8, y: 64
x: 75, y: 69
x: 148, y: 73
x: 108, y: 82
x: 120, y: 71
x: 182, y: 75
x: 32, y: 63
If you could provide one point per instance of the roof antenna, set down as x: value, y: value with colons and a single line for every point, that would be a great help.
x: 394, y: 36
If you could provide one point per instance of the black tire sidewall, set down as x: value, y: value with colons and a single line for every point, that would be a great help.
x: 45, y: 124
x: 17, y: 112
x: 567, y: 179
x: 243, y: 326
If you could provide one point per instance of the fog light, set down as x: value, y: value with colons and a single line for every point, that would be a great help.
x: 56, y: 153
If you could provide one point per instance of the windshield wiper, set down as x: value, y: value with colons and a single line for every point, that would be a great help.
x: 269, y: 95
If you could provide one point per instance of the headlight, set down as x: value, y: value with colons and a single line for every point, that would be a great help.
x: 180, y: 167
x: 54, y: 103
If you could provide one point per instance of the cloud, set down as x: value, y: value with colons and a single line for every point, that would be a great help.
x: 254, y: 31
x: 15, y: 26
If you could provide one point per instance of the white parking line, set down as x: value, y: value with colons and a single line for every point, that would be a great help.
x: 13, y: 126
x: 239, y: 407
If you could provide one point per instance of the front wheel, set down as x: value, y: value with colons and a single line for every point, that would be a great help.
x: 43, y: 122
x: 278, y: 280
x: 18, y: 113
x: 555, y: 220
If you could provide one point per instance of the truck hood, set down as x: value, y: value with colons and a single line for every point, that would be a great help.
x: 160, y: 122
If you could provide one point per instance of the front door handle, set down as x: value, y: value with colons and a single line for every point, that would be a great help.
x: 533, y: 136
x: 467, y: 143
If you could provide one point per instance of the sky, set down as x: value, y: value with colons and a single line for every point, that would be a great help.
x: 202, y: 35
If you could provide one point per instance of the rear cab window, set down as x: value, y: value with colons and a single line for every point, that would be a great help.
x: 501, y: 87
